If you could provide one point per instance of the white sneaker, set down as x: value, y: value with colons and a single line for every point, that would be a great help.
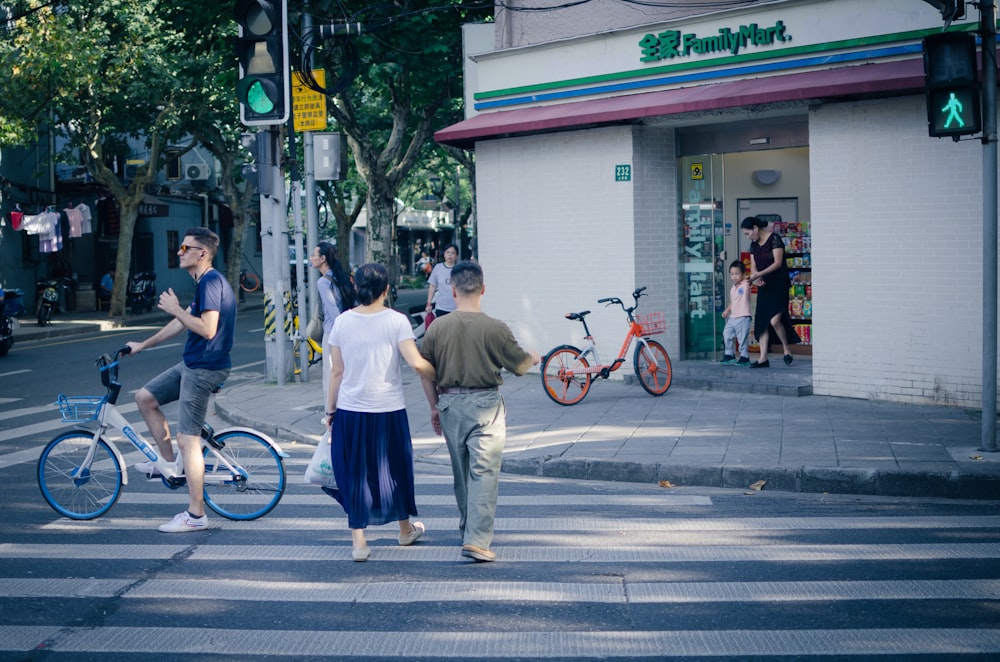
x: 147, y: 468
x: 183, y: 523
x: 152, y: 471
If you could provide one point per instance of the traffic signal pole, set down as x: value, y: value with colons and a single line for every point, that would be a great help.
x: 987, y: 25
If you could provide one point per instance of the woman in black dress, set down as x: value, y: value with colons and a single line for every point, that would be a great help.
x: 769, y: 273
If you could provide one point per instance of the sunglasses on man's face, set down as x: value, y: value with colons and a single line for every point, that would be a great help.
x: 185, y: 248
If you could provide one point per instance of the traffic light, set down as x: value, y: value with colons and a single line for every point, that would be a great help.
x: 951, y: 85
x: 952, y: 10
x: 262, y: 48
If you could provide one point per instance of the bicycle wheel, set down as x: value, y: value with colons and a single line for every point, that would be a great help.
x: 249, y: 283
x: 561, y: 376
x: 256, y: 485
x: 652, y: 367
x: 94, y: 491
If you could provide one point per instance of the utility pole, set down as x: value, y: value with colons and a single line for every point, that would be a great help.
x: 988, y: 32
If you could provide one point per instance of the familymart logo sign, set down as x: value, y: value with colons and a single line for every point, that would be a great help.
x: 673, y: 43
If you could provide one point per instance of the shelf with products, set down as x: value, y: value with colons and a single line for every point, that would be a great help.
x: 798, y: 258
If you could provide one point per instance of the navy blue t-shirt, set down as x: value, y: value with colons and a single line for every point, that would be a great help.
x: 213, y: 293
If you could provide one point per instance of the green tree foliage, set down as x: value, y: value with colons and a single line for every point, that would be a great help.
x: 409, y: 84
x: 98, y: 73
x: 211, y: 114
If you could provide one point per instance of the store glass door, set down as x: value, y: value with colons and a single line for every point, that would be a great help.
x: 701, y: 183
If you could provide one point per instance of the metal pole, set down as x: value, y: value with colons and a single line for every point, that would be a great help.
x: 312, y: 225
x: 280, y: 257
x: 987, y: 25
x: 301, y: 271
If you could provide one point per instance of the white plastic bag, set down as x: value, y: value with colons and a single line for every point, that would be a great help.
x: 320, y: 471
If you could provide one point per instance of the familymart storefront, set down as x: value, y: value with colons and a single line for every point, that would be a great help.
x: 628, y: 158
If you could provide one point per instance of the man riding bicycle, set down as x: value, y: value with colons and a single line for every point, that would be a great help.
x: 210, y: 321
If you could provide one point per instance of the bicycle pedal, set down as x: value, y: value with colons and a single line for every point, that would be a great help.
x: 176, y: 482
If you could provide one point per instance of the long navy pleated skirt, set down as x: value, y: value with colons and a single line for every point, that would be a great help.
x: 372, y: 458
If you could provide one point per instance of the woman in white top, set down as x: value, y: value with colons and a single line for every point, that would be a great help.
x: 372, y: 453
x: 440, y: 283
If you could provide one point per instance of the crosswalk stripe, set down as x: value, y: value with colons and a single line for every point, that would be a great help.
x: 612, y: 592
x: 522, y: 553
x: 24, y: 412
x: 562, y: 524
x: 321, y: 499
x: 54, y: 423
x: 743, y: 644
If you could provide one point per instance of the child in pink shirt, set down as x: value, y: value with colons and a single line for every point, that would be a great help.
x: 737, y: 316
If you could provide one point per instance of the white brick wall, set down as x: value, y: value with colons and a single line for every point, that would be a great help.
x: 897, y: 257
x: 556, y: 233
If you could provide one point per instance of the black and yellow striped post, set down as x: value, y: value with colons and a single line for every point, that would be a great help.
x: 269, y: 316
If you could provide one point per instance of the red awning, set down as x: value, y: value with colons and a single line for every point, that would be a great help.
x: 866, y: 80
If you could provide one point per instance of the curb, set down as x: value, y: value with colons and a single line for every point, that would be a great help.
x: 951, y: 485
x: 276, y: 431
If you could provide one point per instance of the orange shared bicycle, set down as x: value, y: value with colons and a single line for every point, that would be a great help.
x: 567, y: 371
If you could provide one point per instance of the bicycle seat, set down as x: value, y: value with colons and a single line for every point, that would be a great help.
x: 577, y: 316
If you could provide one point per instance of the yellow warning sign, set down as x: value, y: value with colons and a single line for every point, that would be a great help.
x: 308, y: 106
x: 697, y: 171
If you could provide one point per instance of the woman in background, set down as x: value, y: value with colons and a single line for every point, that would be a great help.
x: 769, y: 273
x: 336, y: 294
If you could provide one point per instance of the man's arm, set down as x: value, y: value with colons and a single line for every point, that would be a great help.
x: 430, y: 390
x: 205, y: 325
x: 171, y: 329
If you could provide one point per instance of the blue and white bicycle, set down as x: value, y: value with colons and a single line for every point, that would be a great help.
x: 81, y: 473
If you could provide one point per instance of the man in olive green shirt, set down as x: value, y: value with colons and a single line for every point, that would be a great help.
x: 468, y: 349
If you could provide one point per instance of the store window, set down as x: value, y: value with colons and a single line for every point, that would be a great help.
x: 701, y: 183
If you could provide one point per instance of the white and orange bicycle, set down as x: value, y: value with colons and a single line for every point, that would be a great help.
x: 568, y: 371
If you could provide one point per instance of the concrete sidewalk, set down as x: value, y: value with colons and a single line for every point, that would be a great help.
x: 689, y: 436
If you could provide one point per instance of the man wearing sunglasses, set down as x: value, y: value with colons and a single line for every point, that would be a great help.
x: 210, y: 322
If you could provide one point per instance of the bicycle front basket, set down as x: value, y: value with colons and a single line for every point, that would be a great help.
x: 80, y: 408
x: 652, y: 324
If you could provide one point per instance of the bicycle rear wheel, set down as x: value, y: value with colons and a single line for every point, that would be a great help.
x: 255, y: 485
x: 561, y: 377
x: 249, y: 282
x: 652, y: 367
x: 89, y: 494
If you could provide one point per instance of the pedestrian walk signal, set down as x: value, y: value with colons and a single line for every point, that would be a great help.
x: 951, y: 85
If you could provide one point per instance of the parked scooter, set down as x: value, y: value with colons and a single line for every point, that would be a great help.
x: 418, y: 320
x: 13, y: 303
x: 6, y: 332
x: 47, y: 301
x: 142, y: 292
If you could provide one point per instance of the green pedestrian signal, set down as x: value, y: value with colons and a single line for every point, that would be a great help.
x: 952, y: 85
x: 258, y: 99
x: 263, y: 87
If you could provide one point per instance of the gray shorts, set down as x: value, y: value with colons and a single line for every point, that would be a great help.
x: 192, y: 387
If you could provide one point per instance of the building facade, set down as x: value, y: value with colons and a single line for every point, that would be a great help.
x: 628, y: 156
x: 184, y: 195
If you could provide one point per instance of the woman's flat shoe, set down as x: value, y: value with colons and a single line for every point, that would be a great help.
x: 413, y: 536
x: 788, y: 359
x: 760, y: 364
x: 361, y: 554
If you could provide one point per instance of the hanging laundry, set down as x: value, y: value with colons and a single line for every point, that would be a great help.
x: 40, y: 224
x: 86, y: 215
x: 75, y: 222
